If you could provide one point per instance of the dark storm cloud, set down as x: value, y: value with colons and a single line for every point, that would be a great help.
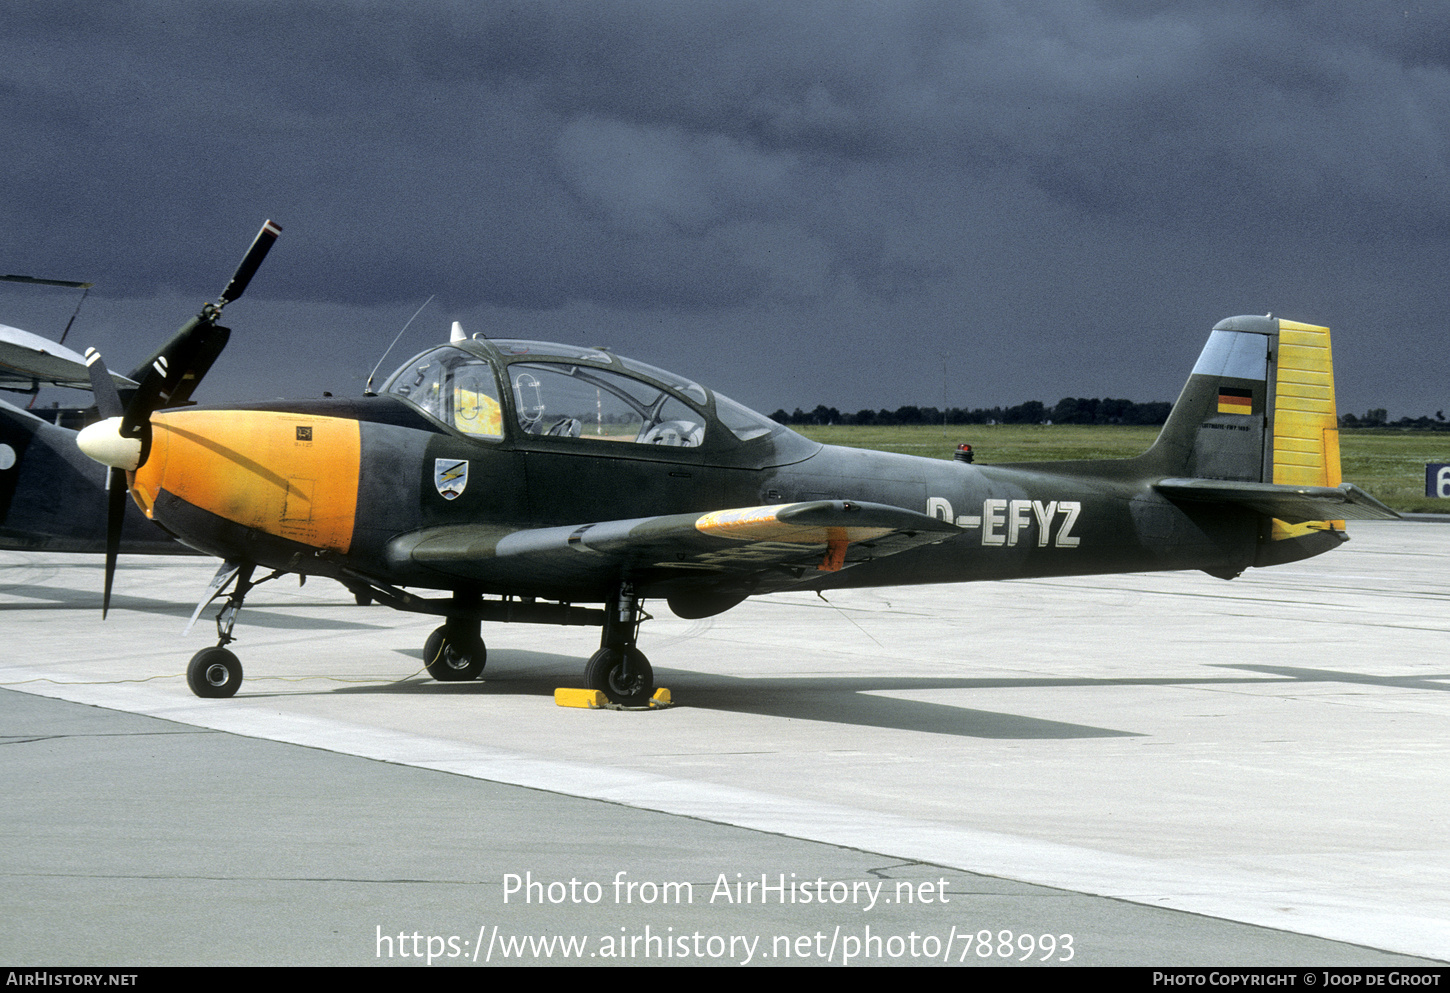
x: 532, y: 153
x: 708, y: 157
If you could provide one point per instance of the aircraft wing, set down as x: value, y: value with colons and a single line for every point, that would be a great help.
x: 27, y: 358
x: 725, y: 553
x: 1291, y: 504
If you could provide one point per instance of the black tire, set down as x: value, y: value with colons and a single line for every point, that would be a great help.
x: 605, y: 673
x: 214, y: 673
x: 363, y: 599
x: 452, y: 661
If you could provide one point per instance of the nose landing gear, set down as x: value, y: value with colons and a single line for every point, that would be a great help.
x: 215, y: 673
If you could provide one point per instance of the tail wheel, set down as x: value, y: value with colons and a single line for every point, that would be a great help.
x: 452, y: 659
x: 606, y: 673
x: 214, y: 673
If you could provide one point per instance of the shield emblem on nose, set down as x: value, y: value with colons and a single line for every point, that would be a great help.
x: 450, y: 476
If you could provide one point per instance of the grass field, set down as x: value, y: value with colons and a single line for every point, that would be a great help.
x: 1388, y: 463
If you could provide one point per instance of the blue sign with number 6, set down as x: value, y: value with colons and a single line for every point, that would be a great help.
x: 1437, y: 479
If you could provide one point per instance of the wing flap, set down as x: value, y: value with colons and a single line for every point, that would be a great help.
x: 1292, y: 504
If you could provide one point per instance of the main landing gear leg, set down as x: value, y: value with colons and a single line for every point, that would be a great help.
x: 215, y: 672
x: 619, y: 669
x: 456, y: 652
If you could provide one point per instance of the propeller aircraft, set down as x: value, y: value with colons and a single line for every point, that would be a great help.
x: 53, y: 498
x: 532, y: 482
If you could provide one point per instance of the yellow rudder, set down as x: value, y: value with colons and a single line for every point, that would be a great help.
x: 1306, y: 422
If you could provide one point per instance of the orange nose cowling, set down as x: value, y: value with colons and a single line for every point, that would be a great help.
x: 290, y: 475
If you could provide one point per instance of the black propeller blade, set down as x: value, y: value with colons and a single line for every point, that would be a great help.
x: 166, y: 379
x: 261, y: 245
x: 103, y: 387
x: 116, y: 496
x: 169, y: 376
x: 108, y: 401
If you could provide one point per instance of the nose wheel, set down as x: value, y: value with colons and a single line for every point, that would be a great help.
x: 214, y: 673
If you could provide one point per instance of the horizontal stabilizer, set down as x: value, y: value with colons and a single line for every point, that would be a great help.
x: 1293, y: 504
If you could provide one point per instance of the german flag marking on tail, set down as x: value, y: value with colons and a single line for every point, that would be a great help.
x: 1232, y: 400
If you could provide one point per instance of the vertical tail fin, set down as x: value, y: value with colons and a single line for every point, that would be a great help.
x: 1217, y: 429
x: 1259, y: 407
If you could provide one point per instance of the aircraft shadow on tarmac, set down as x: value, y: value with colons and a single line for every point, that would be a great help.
x: 1421, y: 681
x: 853, y: 700
x: 49, y: 597
x: 835, y: 700
x: 850, y: 700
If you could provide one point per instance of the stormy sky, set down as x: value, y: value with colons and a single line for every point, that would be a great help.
x: 861, y: 205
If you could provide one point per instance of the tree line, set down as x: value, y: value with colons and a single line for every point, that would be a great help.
x: 1069, y: 410
x: 1378, y: 417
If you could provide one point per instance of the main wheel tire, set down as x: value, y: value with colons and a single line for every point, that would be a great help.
x: 605, y: 672
x: 451, y: 660
x: 214, y: 673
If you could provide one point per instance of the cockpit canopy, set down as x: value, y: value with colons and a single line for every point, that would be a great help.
x: 514, y: 388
